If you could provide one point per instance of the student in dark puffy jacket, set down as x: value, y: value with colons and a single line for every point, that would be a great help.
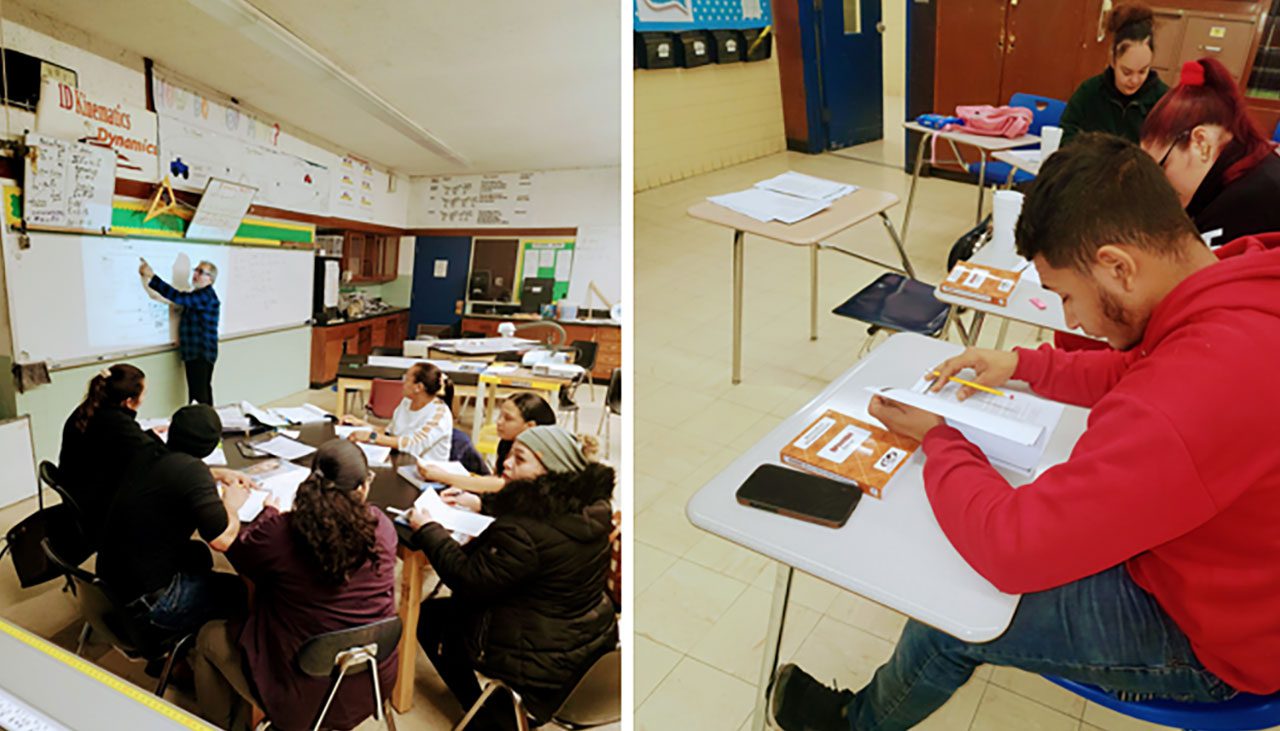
x: 529, y: 605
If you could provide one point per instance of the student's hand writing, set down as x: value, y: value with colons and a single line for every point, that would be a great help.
x: 232, y: 477
x: 145, y: 270
x: 899, y: 418
x: 359, y: 436
x: 433, y: 473
x: 234, y: 496
x: 461, y: 499
x: 418, y: 517
x: 991, y: 368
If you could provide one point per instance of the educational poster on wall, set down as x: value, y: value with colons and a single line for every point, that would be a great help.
x: 548, y: 259
x: 677, y: 15
x: 355, y: 191
x: 176, y: 101
x: 496, y: 199
x: 68, y: 185
x: 74, y: 114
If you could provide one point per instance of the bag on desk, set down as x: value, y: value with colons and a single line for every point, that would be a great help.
x: 988, y: 121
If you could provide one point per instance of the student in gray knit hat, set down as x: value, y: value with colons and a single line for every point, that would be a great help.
x: 528, y: 603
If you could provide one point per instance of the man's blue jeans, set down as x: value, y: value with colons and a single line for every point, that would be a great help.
x: 1103, y: 630
x: 192, y: 599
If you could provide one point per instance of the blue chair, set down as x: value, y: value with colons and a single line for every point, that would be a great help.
x: 1275, y: 136
x: 1242, y: 713
x: 1044, y: 111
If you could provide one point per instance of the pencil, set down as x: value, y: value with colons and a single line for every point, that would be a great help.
x: 978, y: 386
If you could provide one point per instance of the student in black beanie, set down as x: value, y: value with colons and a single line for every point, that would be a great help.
x: 148, y: 558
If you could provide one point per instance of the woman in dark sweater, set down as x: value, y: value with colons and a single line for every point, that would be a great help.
x: 1221, y: 164
x: 100, y: 441
x: 327, y: 565
x: 529, y: 604
x: 1118, y: 99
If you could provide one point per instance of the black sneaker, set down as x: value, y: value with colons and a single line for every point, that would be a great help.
x: 800, y: 703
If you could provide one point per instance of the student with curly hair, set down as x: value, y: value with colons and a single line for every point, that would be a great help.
x: 327, y: 565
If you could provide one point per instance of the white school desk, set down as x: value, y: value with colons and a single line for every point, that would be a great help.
x: 1018, y: 162
x: 892, y: 550
x: 844, y: 212
x: 1019, y: 306
x: 984, y: 144
x: 74, y: 693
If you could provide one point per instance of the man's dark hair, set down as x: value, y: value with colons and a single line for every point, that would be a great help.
x: 1100, y: 190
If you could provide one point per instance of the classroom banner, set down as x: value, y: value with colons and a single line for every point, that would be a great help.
x: 74, y: 114
x: 678, y: 15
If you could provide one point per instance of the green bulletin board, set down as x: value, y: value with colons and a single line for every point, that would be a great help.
x: 549, y: 259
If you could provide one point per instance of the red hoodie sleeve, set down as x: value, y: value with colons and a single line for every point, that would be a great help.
x: 1077, y: 377
x: 1129, y: 485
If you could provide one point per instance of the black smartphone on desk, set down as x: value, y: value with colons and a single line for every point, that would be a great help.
x: 799, y: 495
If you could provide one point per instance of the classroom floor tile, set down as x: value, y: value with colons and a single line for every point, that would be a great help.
x: 701, y: 601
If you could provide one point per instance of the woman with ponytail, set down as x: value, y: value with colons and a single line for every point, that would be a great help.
x: 1118, y: 99
x: 1223, y: 167
x: 422, y: 424
x: 101, y: 439
x: 327, y: 565
x: 518, y: 412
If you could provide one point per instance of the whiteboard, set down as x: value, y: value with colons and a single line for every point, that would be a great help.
x: 19, y: 461
x: 79, y: 298
x: 221, y: 209
x: 68, y: 184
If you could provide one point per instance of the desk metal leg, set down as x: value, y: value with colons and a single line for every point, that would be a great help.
x: 415, y: 563
x: 982, y: 184
x: 737, y: 306
x: 915, y: 177
x: 813, y: 291
x: 1004, y: 330
x: 902, y: 252
x: 976, y: 328
x: 772, y: 644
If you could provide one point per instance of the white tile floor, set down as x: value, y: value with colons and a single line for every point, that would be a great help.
x: 703, y: 603
x: 51, y: 613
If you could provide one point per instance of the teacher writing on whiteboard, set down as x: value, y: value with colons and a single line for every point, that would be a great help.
x: 198, y: 327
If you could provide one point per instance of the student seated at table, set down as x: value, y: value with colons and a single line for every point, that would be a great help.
x: 1223, y: 167
x: 1119, y: 98
x: 327, y: 565
x: 148, y: 557
x: 422, y: 424
x: 518, y: 412
x: 529, y: 605
x: 1149, y: 561
x: 101, y: 439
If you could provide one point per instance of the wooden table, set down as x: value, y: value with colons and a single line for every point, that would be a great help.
x: 891, y: 550
x: 388, y: 490
x: 844, y: 212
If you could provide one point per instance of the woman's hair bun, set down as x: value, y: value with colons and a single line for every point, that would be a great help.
x: 1129, y: 14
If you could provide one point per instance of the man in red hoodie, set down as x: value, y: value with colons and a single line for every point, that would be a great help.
x: 1150, y: 559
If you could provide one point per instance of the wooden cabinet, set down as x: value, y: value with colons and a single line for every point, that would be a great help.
x: 328, y: 343
x: 370, y: 258
x: 608, y: 340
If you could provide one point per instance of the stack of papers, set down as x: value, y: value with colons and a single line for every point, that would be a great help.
x: 284, y: 448
x: 278, y: 479
x: 304, y: 414
x: 264, y: 417
x: 806, y: 186
x: 233, y: 419
x: 1012, y: 430
x: 378, y: 456
x: 454, y: 519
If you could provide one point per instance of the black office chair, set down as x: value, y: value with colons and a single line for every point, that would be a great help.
x: 612, y: 405
x: 585, y: 352
x: 596, y: 699
x: 335, y: 655
x: 566, y: 404
x: 61, y: 524
x: 105, y: 617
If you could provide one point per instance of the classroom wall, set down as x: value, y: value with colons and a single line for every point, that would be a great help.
x: 259, y: 368
x: 584, y: 198
x: 691, y: 121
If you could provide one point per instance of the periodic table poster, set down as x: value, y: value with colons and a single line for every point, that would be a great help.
x: 677, y: 15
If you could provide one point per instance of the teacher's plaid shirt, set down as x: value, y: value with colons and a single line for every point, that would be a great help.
x: 198, y: 328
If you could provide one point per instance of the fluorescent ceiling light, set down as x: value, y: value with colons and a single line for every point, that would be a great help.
x: 269, y: 35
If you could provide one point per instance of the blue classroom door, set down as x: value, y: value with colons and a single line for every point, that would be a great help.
x: 433, y: 300
x: 850, y: 63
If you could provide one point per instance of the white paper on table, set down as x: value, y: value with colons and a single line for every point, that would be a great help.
x: 217, y: 458
x: 454, y: 519
x: 342, y: 431
x: 1012, y: 430
x: 410, y: 473
x: 1028, y: 156
x: 806, y: 186
x: 232, y: 418
x: 291, y: 433
x: 391, y: 361
x: 376, y: 454
x: 263, y: 417
x: 282, y: 483
x: 452, y: 468
x: 284, y: 448
x: 159, y: 426
x: 766, y: 205
x: 307, y: 414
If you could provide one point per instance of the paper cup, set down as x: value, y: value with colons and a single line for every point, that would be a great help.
x: 1050, y: 138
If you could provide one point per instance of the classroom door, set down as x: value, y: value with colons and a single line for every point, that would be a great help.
x: 1042, y: 43
x: 850, y: 63
x: 434, y: 298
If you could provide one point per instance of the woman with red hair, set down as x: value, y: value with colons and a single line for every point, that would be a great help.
x: 1224, y: 169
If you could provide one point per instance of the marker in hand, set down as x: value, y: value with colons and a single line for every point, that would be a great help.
x: 975, y: 386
